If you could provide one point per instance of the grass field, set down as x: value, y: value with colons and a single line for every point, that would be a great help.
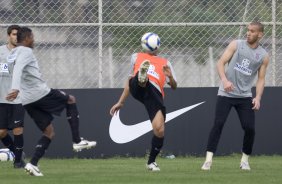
x: 265, y: 170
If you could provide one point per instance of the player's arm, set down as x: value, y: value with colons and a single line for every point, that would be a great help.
x: 122, y: 99
x: 125, y: 92
x: 224, y: 59
x: 172, y: 82
x: 169, y: 73
x: 260, y: 83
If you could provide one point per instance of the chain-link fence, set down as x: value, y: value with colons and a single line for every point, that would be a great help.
x: 88, y: 43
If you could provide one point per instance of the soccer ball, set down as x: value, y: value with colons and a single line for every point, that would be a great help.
x: 6, y: 155
x: 150, y: 42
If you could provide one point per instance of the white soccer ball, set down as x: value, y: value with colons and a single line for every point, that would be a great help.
x: 150, y: 42
x: 6, y: 155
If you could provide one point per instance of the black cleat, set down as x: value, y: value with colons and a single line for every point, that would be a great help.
x: 19, y: 165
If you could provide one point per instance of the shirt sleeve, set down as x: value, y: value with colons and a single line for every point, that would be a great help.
x: 132, y: 63
x: 22, y: 60
x: 172, y: 72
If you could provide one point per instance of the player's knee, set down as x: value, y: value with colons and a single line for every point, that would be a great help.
x: 71, y: 99
x: 159, y: 131
x: 3, y: 133
x: 49, y: 132
x: 158, y: 124
x: 18, y: 131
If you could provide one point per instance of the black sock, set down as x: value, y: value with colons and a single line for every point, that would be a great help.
x: 18, y: 142
x: 8, y: 142
x: 73, y: 119
x: 157, y: 144
x: 40, y: 149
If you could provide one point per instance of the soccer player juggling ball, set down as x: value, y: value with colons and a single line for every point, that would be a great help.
x: 148, y: 75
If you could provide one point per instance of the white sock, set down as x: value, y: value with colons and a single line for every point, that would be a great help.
x: 209, y: 156
x: 244, y: 158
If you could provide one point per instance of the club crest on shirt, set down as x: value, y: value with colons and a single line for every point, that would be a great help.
x: 152, y: 72
x: 243, y: 67
x: 4, y: 68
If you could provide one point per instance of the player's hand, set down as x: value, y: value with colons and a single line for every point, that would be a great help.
x: 12, y: 95
x: 228, y: 86
x: 116, y: 108
x: 167, y: 71
x: 256, y: 104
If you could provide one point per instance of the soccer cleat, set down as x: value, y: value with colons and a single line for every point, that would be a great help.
x: 19, y: 165
x: 245, y: 166
x: 142, y: 74
x: 83, y: 144
x: 153, y: 166
x: 32, y: 170
x: 206, y: 166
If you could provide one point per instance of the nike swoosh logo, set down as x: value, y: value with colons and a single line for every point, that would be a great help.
x: 121, y: 133
x: 84, y: 144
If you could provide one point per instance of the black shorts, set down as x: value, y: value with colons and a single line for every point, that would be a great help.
x: 11, y: 116
x: 149, y: 96
x: 42, y: 110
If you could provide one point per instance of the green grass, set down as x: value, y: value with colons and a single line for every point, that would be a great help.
x: 265, y: 170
